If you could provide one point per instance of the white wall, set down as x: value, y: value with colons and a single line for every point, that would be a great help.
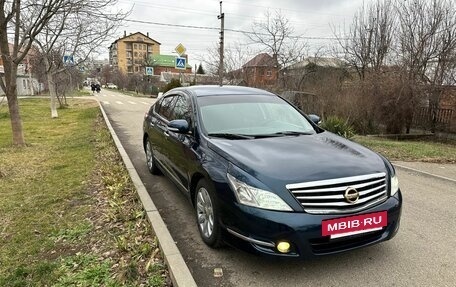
x: 24, y: 86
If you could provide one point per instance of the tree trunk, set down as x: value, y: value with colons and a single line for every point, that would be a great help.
x: 52, y: 91
x: 53, y: 95
x: 13, y: 106
x: 16, y: 121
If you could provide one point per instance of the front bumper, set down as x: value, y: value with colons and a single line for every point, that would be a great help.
x: 259, y: 230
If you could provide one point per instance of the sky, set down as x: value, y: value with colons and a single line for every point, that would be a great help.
x: 309, y: 18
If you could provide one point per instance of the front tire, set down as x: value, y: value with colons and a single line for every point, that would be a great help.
x: 207, y: 215
x: 150, y: 160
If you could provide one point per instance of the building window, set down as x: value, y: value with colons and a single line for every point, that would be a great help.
x: 135, y: 46
x: 128, y: 46
x: 268, y: 73
x: 24, y: 83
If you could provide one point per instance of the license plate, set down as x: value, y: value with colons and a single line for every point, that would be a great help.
x: 351, y: 225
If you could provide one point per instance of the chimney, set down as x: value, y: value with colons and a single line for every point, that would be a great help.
x: 125, y: 33
x: 147, y: 34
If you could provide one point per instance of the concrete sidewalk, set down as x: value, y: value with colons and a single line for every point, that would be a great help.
x: 440, y: 170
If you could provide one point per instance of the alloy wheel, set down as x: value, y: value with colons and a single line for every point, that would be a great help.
x: 205, y: 212
x: 149, y: 157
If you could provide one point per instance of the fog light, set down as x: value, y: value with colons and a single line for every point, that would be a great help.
x: 283, y: 247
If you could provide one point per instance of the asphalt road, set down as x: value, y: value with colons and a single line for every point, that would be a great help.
x: 422, y: 254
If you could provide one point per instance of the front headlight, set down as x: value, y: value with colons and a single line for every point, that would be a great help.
x: 394, y: 185
x: 252, y: 196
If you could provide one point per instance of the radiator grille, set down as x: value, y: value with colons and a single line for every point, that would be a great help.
x: 329, y: 196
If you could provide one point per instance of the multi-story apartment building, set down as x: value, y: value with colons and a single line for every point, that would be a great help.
x: 130, y: 53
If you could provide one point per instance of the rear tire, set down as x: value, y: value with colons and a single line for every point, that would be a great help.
x: 207, y: 215
x: 150, y: 160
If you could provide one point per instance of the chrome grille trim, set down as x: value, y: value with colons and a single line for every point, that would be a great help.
x: 350, y: 210
x: 361, y: 185
x: 251, y: 240
x: 335, y: 180
x: 327, y: 196
x: 345, y: 203
x: 340, y: 196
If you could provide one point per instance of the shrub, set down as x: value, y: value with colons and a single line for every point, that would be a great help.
x: 174, y: 83
x: 338, y: 126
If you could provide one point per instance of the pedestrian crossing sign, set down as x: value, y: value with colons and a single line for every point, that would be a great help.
x: 181, y: 63
x: 149, y: 71
x: 68, y: 60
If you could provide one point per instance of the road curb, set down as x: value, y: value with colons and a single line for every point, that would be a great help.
x: 179, y: 272
x: 406, y: 168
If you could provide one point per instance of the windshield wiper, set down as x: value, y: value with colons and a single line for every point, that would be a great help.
x: 281, y: 134
x: 293, y: 133
x: 231, y: 136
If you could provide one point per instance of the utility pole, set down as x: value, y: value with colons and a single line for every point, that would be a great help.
x: 194, y: 81
x: 222, y: 32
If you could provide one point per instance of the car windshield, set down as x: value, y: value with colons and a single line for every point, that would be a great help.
x: 251, y: 115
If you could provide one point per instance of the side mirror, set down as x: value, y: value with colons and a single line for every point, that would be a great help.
x: 178, y: 126
x: 316, y: 119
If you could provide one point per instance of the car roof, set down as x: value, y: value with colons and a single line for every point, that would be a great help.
x: 214, y: 90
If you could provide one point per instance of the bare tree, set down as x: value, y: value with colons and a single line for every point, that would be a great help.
x: 75, y: 33
x: 275, y: 35
x: 236, y: 55
x: 369, y: 40
x: 107, y: 74
x: 25, y: 20
x: 428, y: 45
x: 12, y: 14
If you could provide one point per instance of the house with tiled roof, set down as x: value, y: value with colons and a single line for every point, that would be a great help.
x: 261, y: 71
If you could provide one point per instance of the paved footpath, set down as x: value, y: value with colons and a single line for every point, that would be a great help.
x: 441, y: 170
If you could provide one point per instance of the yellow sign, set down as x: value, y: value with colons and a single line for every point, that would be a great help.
x: 180, y: 49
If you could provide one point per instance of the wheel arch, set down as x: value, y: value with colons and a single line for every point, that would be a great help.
x: 197, y: 176
x: 145, y: 137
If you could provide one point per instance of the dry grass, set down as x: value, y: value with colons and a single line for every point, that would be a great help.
x: 69, y: 213
x: 411, y: 150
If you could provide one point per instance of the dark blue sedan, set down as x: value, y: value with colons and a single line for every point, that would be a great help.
x: 265, y: 177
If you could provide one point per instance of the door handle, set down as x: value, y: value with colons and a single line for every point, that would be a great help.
x: 166, y: 133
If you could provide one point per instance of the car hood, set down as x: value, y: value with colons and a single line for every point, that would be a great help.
x: 293, y: 159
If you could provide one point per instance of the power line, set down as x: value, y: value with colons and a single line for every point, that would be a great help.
x: 172, y: 25
x: 169, y: 7
x: 226, y: 29
x: 244, y: 3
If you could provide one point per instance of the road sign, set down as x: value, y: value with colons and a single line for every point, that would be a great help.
x: 68, y: 60
x: 180, y: 49
x: 181, y: 63
x: 149, y: 71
